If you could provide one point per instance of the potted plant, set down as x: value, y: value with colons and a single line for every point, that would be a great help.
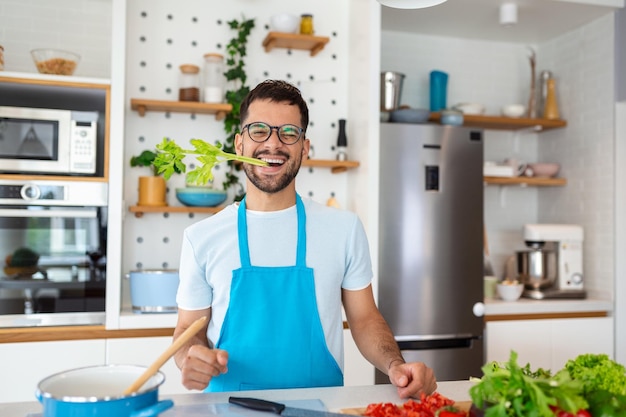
x: 152, y: 189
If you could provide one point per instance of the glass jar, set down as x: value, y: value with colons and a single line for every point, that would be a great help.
x: 189, y: 83
x: 306, y: 24
x: 214, y: 78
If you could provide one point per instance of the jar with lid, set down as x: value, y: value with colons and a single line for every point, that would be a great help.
x: 189, y: 83
x: 306, y: 24
x: 214, y: 78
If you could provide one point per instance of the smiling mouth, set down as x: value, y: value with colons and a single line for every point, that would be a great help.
x: 273, y: 162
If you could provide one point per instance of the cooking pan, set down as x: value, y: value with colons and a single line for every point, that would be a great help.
x: 98, y: 391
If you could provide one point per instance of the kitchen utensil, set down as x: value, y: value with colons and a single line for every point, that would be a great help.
x: 96, y: 391
x: 513, y: 110
x: 55, y: 61
x: 438, y: 90
x: 285, y: 22
x: 165, y: 356
x: 469, y: 108
x: 488, y: 268
x: 536, y: 268
x: 390, y: 90
x: 409, y: 116
x: 200, y: 196
x: 545, y: 169
x: 509, y: 290
x: 153, y: 290
x: 451, y: 117
x: 278, y: 408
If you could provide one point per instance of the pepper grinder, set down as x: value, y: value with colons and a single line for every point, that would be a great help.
x: 342, y: 141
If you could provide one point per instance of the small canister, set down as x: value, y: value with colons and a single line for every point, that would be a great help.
x: 214, y: 78
x: 189, y: 84
x: 306, y: 24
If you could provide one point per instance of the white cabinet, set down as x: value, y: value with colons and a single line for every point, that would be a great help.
x: 548, y: 343
x: 357, y: 370
x: 144, y: 351
x: 24, y: 365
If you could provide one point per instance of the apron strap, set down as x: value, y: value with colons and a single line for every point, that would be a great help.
x: 242, y: 233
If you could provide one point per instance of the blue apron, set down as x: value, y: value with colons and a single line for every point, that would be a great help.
x: 272, y: 329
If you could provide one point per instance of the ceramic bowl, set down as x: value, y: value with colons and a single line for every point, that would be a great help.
x: 545, y: 169
x: 55, y: 61
x: 451, y: 117
x: 469, y: 108
x: 200, y: 196
x: 285, y: 22
x: 409, y: 116
x: 509, y: 291
x: 513, y: 110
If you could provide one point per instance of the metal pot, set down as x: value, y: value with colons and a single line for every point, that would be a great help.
x: 537, y: 268
x: 153, y: 290
x: 98, y: 391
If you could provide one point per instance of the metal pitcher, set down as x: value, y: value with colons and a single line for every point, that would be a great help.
x: 390, y: 90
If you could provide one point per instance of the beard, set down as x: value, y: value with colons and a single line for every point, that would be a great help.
x: 275, y: 183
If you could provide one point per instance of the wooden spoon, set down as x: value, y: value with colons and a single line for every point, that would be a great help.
x: 165, y: 356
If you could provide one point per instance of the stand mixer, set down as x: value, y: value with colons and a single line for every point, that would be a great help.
x: 552, y: 267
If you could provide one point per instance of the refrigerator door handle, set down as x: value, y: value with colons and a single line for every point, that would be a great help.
x: 436, y: 342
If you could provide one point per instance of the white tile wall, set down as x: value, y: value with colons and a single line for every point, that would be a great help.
x: 80, y: 26
x: 495, y: 74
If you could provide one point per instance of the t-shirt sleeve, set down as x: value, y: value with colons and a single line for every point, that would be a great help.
x: 194, y: 292
x: 358, y: 274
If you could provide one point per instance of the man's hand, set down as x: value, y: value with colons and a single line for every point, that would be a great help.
x: 412, y: 379
x: 201, y: 364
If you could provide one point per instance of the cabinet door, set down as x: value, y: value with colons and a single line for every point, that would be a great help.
x: 529, y: 338
x: 24, y: 365
x: 356, y: 370
x: 573, y: 337
x: 144, y: 351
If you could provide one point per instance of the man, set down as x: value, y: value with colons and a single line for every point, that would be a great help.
x: 272, y: 273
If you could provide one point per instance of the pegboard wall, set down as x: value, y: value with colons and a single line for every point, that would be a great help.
x: 162, y: 35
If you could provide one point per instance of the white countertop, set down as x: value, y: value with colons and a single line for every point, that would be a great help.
x: 130, y: 320
x: 334, y: 399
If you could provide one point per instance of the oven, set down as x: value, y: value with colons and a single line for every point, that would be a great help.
x: 53, y: 251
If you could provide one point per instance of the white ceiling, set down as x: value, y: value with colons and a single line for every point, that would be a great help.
x: 538, y: 20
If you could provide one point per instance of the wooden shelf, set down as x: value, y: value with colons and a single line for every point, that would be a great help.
x: 526, y: 181
x: 140, y: 210
x: 295, y: 41
x: 218, y: 109
x: 335, y: 166
x: 505, y: 123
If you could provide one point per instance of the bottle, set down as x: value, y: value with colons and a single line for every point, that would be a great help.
x: 189, y: 84
x: 543, y: 89
x: 551, y: 108
x: 306, y: 24
x: 342, y: 141
x: 214, y: 78
x: 1, y: 58
x: 438, y: 90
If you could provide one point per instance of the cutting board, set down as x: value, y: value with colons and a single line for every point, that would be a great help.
x: 359, y: 411
x: 231, y: 410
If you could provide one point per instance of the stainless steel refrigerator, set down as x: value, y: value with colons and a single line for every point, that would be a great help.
x: 431, y: 245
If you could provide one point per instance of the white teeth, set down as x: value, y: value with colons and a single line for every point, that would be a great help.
x: 273, y: 161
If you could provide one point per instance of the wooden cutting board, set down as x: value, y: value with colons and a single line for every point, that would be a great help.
x: 359, y: 411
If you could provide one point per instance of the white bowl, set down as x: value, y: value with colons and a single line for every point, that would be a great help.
x: 509, y: 291
x: 285, y: 22
x: 469, y: 108
x: 513, y: 110
x: 544, y: 169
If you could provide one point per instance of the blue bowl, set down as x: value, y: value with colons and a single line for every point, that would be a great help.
x: 409, y: 116
x: 200, y: 196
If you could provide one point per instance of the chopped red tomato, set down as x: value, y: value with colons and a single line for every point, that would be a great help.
x: 450, y: 411
x: 427, y: 406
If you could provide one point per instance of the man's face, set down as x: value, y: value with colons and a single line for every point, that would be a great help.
x: 284, y: 159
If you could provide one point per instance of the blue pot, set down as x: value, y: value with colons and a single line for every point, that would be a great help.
x: 97, y: 391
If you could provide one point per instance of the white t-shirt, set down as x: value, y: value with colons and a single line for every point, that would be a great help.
x: 337, y: 250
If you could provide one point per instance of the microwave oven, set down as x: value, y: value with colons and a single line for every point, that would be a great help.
x: 48, y: 141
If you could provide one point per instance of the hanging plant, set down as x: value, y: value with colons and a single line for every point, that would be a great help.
x: 236, y: 75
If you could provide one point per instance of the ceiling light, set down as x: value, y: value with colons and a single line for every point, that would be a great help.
x: 410, y: 4
x: 508, y: 14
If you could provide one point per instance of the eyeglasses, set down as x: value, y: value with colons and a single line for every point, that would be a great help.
x: 260, y: 132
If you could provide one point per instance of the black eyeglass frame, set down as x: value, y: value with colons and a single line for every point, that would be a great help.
x: 272, y: 128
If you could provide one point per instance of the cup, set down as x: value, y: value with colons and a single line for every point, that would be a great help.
x: 438, y: 90
x: 490, y: 284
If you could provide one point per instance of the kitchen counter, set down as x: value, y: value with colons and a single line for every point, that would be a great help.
x: 496, y: 309
x: 334, y: 399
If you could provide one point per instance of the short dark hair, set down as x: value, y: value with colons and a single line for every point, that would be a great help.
x: 276, y: 91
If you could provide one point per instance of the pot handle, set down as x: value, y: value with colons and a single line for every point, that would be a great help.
x: 154, y: 409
